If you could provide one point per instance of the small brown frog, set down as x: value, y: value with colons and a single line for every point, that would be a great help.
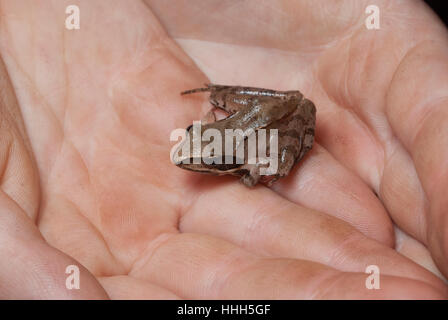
x: 250, y: 110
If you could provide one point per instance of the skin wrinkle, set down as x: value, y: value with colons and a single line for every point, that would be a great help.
x: 15, y: 228
x: 95, y: 229
x: 325, y: 284
x: 431, y: 107
x: 365, y: 116
x: 146, y: 257
x: 422, y: 218
x: 347, y: 35
x: 434, y: 219
x: 344, y: 34
x: 369, y: 133
x: 314, y: 51
x: 262, y: 214
x: 59, y: 124
x: 381, y: 171
x: 422, y: 221
x: 421, y: 123
x: 219, y: 278
x: 67, y: 82
x: 351, y: 195
x: 52, y: 173
x: 342, y: 245
x: 363, y: 124
x: 347, y: 99
x: 105, y: 281
x: 38, y: 268
x: 204, y: 66
x: 45, y: 104
x: 78, y: 210
x: 357, y: 115
x: 17, y: 127
x: 188, y: 189
x: 404, y: 242
x: 142, y: 251
x: 399, y: 68
x: 185, y: 207
x: 344, y: 248
x: 308, y: 53
x: 274, y: 8
x: 160, y: 41
x: 8, y: 117
x: 156, y: 44
x: 3, y: 169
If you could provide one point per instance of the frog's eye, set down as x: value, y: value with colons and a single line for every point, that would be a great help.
x: 189, y: 127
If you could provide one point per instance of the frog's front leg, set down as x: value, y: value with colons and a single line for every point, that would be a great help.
x: 286, y: 162
x: 209, y: 117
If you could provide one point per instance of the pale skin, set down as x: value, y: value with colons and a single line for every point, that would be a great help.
x: 85, y: 118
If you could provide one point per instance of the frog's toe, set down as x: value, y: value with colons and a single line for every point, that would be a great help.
x: 210, y: 117
x: 269, y: 180
x: 249, y: 180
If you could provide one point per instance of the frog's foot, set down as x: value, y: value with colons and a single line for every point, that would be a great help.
x: 209, y: 117
x: 251, y: 178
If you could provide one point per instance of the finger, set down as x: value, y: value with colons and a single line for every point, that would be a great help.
x: 417, y: 252
x: 419, y: 115
x: 198, y: 266
x: 351, y: 200
x: 129, y: 288
x: 290, y: 25
x: 264, y: 223
x: 18, y: 175
x: 35, y: 270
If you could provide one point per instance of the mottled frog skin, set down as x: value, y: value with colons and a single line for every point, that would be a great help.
x: 256, y: 108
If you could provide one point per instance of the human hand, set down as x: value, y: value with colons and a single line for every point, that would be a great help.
x: 98, y: 105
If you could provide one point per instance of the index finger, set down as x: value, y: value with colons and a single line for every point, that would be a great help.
x: 417, y: 108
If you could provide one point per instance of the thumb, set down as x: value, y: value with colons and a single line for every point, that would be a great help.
x: 32, y: 269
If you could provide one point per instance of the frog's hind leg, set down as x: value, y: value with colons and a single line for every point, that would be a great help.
x: 207, y: 88
x: 309, y: 110
x: 255, y: 92
x: 223, y: 97
x: 220, y: 98
x: 231, y: 99
x: 234, y: 98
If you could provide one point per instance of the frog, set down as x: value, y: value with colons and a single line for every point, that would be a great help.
x: 250, y: 109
